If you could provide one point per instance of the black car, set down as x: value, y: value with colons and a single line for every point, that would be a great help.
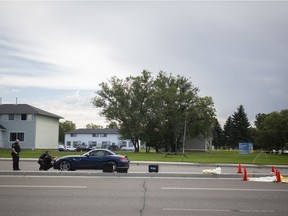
x: 94, y: 159
x: 82, y: 148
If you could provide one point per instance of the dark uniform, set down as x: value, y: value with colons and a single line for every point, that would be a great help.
x: 15, y: 154
x: 45, y: 161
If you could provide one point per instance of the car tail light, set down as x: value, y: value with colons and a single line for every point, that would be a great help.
x: 123, y: 158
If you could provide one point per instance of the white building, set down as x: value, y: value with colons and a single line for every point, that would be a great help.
x: 96, y: 138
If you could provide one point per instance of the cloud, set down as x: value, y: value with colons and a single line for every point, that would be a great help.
x: 235, y: 52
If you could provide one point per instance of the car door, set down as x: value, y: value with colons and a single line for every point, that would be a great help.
x: 94, y: 160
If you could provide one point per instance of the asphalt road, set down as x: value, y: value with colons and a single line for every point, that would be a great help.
x: 143, y: 196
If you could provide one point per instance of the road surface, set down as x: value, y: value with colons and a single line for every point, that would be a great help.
x: 143, y: 196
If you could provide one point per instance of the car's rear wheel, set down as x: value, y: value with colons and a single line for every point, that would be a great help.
x: 114, y: 165
x: 65, y: 166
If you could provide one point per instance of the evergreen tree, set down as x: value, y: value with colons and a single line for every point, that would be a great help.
x: 241, y: 127
x: 228, y: 128
x: 218, y: 135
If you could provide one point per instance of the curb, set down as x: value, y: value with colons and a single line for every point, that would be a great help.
x: 127, y: 175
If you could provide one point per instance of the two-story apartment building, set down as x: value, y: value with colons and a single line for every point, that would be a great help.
x: 35, y: 128
x: 96, y: 138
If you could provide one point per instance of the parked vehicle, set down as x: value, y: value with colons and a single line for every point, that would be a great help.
x: 61, y: 148
x: 70, y: 149
x: 82, y: 148
x: 94, y: 159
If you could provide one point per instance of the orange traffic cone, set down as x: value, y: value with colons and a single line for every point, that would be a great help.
x: 273, y: 169
x: 278, y: 177
x: 239, y: 169
x: 245, y: 176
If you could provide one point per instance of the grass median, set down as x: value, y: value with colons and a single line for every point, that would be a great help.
x: 222, y: 156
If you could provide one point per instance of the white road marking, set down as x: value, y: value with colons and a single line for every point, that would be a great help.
x: 117, y: 177
x: 224, y: 189
x: 219, y: 210
x: 43, y: 186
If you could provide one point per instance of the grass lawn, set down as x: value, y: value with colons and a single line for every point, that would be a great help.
x: 192, y: 157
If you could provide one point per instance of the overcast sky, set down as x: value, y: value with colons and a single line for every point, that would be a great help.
x: 54, y: 54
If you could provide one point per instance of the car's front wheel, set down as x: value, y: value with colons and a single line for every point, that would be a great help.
x: 65, y: 166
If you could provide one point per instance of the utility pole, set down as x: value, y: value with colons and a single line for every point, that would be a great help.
x: 184, y: 138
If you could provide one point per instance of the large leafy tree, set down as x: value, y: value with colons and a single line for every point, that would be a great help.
x: 272, y: 130
x: 124, y: 102
x: 154, y: 110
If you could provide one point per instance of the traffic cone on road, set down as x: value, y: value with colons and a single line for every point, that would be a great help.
x: 278, y: 176
x: 239, y: 169
x: 273, y: 169
x: 245, y: 176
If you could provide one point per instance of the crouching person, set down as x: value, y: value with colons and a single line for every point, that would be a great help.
x: 45, y: 161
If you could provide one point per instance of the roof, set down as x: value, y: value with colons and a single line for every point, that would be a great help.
x: 94, y: 131
x: 24, y: 109
x: 2, y: 128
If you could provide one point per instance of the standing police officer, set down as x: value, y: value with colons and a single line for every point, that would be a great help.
x: 15, y: 154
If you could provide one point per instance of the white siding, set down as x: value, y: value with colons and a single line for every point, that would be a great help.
x: 47, y: 132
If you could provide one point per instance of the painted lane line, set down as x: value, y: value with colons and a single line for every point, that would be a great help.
x: 117, y: 177
x: 43, y: 186
x: 219, y: 210
x: 224, y: 189
x: 200, y: 210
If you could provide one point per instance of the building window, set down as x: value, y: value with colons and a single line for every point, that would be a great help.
x: 68, y: 144
x: 26, y: 117
x: 95, y: 135
x: 11, y: 117
x: 76, y: 144
x: 73, y: 135
x: 14, y: 136
x: 105, y: 144
x: 103, y: 135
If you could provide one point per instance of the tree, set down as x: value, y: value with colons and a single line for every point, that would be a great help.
x: 237, y: 128
x: 93, y: 126
x: 65, y: 127
x: 218, y: 135
x: 241, y: 126
x: 154, y: 110
x: 228, y: 128
x: 124, y: 102
x: 272, y: 130
x: 112, y: 125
